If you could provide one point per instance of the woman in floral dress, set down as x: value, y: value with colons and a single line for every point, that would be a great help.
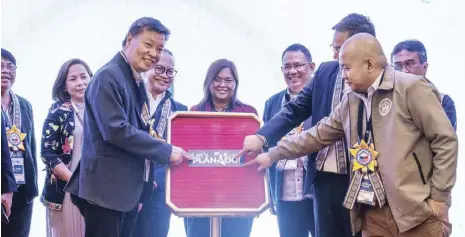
x: 61, y: 148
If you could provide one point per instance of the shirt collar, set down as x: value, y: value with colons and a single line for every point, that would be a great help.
x: 159, y: 97
x: 375, y: 84
x: 138, y: 76
x: 289, y: 95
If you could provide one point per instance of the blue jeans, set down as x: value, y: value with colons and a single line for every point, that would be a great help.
x: 154, y: 218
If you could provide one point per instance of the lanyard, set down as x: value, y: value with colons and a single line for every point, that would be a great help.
x: 367, y: 137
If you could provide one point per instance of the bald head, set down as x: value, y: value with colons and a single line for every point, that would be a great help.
x: 364, y: 46
x: 363, y: 60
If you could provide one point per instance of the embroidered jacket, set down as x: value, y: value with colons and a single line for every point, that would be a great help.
x: 56, y: 148
x: 30, y: 161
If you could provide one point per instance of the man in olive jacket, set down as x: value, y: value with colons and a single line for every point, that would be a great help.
x: 412, y: 162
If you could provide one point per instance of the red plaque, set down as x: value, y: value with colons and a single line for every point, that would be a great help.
x: 214, y: 183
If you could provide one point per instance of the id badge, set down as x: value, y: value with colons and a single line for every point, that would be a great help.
x: 366, y: 194
x: 18, y: 169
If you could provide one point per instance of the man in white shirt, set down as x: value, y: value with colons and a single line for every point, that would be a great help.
x: 294, y: 207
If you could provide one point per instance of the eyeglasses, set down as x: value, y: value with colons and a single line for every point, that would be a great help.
x: 170, y: 72
x: 399, y: 66
x: 297, y: 66
x: 335, y: 49
x: 10, y: 67
x: 227, y: 81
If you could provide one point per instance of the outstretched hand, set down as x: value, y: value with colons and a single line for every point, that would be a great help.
x: 178, y: 155
x: 252, y: 146
x: 263, y: 161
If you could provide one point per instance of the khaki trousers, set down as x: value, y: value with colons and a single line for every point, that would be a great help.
x: 380, y: 223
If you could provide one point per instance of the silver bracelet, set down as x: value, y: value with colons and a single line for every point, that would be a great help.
x: 263, y: 139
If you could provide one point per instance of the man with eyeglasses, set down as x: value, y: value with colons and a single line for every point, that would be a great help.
x: 404, y: 154
x: 293, y: 209
x: 19, y: 123
x: 410, y: 56
x: 330, y: 177
x: 154, y: 216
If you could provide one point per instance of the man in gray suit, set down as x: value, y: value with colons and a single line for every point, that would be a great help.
x: 118, y: 150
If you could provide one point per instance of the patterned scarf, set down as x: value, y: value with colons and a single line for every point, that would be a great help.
x: 160, y: 121
x: 13, y: 114
x: 339, y: 145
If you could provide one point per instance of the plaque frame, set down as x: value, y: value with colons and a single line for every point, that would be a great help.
x: 213, y: 212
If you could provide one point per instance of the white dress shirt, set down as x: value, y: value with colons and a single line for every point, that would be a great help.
x: 293, y: 175
x: 371, y: 91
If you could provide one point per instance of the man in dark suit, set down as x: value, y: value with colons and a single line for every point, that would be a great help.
x: 19, y: 122
x: 410, y: 56
x: 117, y: 147
x: 153, y: 219
x: 8, y: 180
x: 328, y: 169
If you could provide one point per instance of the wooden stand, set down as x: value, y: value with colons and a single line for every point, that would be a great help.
x: 215, y: 226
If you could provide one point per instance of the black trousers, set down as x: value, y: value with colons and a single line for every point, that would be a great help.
x: 101, y: 221
x: 20, y: 218
x: 129, y: 223
x: 295, y: 218
x: 331, y: 218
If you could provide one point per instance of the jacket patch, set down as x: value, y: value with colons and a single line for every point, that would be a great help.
x: 385, y: 106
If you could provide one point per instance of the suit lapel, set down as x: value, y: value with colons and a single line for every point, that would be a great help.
x: 131, y: 84
x: 25, y: 118
x: 279, y: 104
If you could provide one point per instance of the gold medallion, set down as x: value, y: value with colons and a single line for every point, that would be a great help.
x: 364, y: 157
x: 15, y: 138
x: 365, y: 186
